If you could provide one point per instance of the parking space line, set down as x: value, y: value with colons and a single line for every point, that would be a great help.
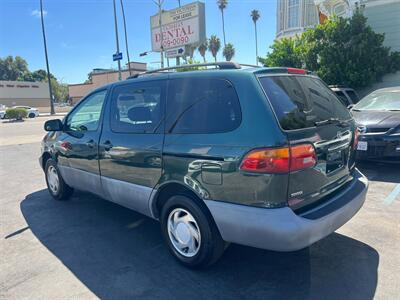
x: 392, y: 196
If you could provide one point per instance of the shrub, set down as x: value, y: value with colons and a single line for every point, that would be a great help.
x: 16, y: 113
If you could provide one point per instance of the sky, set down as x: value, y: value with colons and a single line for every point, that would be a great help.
x: 81, y: 34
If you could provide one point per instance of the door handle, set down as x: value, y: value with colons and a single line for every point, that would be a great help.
x: 107, y: 145
x: 90, y: 144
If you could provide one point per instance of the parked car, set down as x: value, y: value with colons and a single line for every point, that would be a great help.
x: 32, y: 112
x: 378, y: 115
x: 2, y: 111
x: 346, y: 95
x: 263, y: 157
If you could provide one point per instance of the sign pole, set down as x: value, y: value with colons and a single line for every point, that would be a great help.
x: 116, y: 36
x: 126, y: 38
x: 159, y: 3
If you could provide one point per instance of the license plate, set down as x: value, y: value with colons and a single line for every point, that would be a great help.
x: 362, y: 146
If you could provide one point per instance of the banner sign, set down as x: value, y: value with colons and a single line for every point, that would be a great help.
x: 181, y: 26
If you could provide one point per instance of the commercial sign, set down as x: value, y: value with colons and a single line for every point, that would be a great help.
x: 181, y: 26
x: 176, y: 52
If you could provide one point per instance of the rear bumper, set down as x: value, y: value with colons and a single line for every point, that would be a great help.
x: 281, y: 229
x: 381, y: 147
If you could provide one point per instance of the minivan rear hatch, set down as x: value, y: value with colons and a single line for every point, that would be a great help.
x: 309, y: 113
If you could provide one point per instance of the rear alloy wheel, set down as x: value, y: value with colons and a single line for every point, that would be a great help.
x: 32, y: 115
x: 190, y: 232
x: 58, y: 189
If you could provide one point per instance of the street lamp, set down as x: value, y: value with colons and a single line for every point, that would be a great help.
x: 47, y: 60
x: 116, y: 37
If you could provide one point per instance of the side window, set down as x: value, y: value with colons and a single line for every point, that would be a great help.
x: 137, y: 107
x: 202, y: 105
x: 87, y: 115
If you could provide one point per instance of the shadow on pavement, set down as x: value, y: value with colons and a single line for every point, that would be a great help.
x: 119, y: 254
x: 377, y: 171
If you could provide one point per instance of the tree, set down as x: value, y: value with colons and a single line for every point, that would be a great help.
x: 222, y: 5
x: 229, y: 52
x: 284, y: 54
x: 202, y: 49
x: 341, y: 51
x: 214, y: 45
x: 255, y: 15
x: 13, y: 68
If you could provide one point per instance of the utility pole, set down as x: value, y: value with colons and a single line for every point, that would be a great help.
x: 126, y: 38
x: 47, y: 60
x: 178, y: 61
x: 159, y: 4
x: 116, y: 37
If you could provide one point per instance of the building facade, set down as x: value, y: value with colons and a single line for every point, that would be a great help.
x: 34, y: 94
x: 99, y: 77
x: 294, y: 16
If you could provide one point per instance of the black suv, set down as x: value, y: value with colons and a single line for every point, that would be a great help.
x: 262, y: 157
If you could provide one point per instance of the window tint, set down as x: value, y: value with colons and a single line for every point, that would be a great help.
x: 202, y: 105
x: 87, y: 115
x: 136, y: 108
x: 342, y: 98
x: 323, y: 102
x: 300, y: 101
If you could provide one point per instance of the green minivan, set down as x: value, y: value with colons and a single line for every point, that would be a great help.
x: 263, y: 157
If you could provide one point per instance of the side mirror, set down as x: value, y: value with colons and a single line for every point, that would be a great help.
x: 53, y: 125
x: 350, y: 106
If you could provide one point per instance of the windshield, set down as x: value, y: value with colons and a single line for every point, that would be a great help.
x: 380, y: 100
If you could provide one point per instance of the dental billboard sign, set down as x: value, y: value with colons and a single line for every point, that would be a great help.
x: 180, y: 26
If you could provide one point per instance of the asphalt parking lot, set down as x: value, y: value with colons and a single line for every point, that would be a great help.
x: 90, y: 248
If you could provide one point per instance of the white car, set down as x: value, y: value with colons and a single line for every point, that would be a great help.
x: 32, y: 112
x: 2, y: 114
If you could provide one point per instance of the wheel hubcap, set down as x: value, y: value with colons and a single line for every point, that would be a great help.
x: 52, y: 179
x: 183, y: 232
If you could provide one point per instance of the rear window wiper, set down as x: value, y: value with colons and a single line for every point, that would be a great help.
x: 329, y: 121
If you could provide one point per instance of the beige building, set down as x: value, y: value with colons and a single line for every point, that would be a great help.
x: 35, y: 94
x: 101, y: 77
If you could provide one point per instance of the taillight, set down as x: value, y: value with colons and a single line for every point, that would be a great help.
x: 302, y: 157
x: 356, y: 137
x: 280, y: 160
x: 267, y: 161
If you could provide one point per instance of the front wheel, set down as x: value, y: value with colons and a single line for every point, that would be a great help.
x: 58, y: 189
x: 190, y: 232
x: 32, y: 115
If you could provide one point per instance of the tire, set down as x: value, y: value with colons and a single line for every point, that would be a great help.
x: 53, y: 177
x: 32, y: 115
x: 207, y: 248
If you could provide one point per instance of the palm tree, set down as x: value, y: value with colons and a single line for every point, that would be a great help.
x: 229, y: 52
x: 214, y: 45
x: 202, y: 49
x: 222, y: 5
x: 255, y: 15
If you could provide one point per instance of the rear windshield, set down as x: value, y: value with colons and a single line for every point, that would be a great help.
x: 301, y: 101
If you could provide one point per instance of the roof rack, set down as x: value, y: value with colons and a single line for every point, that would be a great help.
x: 224, y: 65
